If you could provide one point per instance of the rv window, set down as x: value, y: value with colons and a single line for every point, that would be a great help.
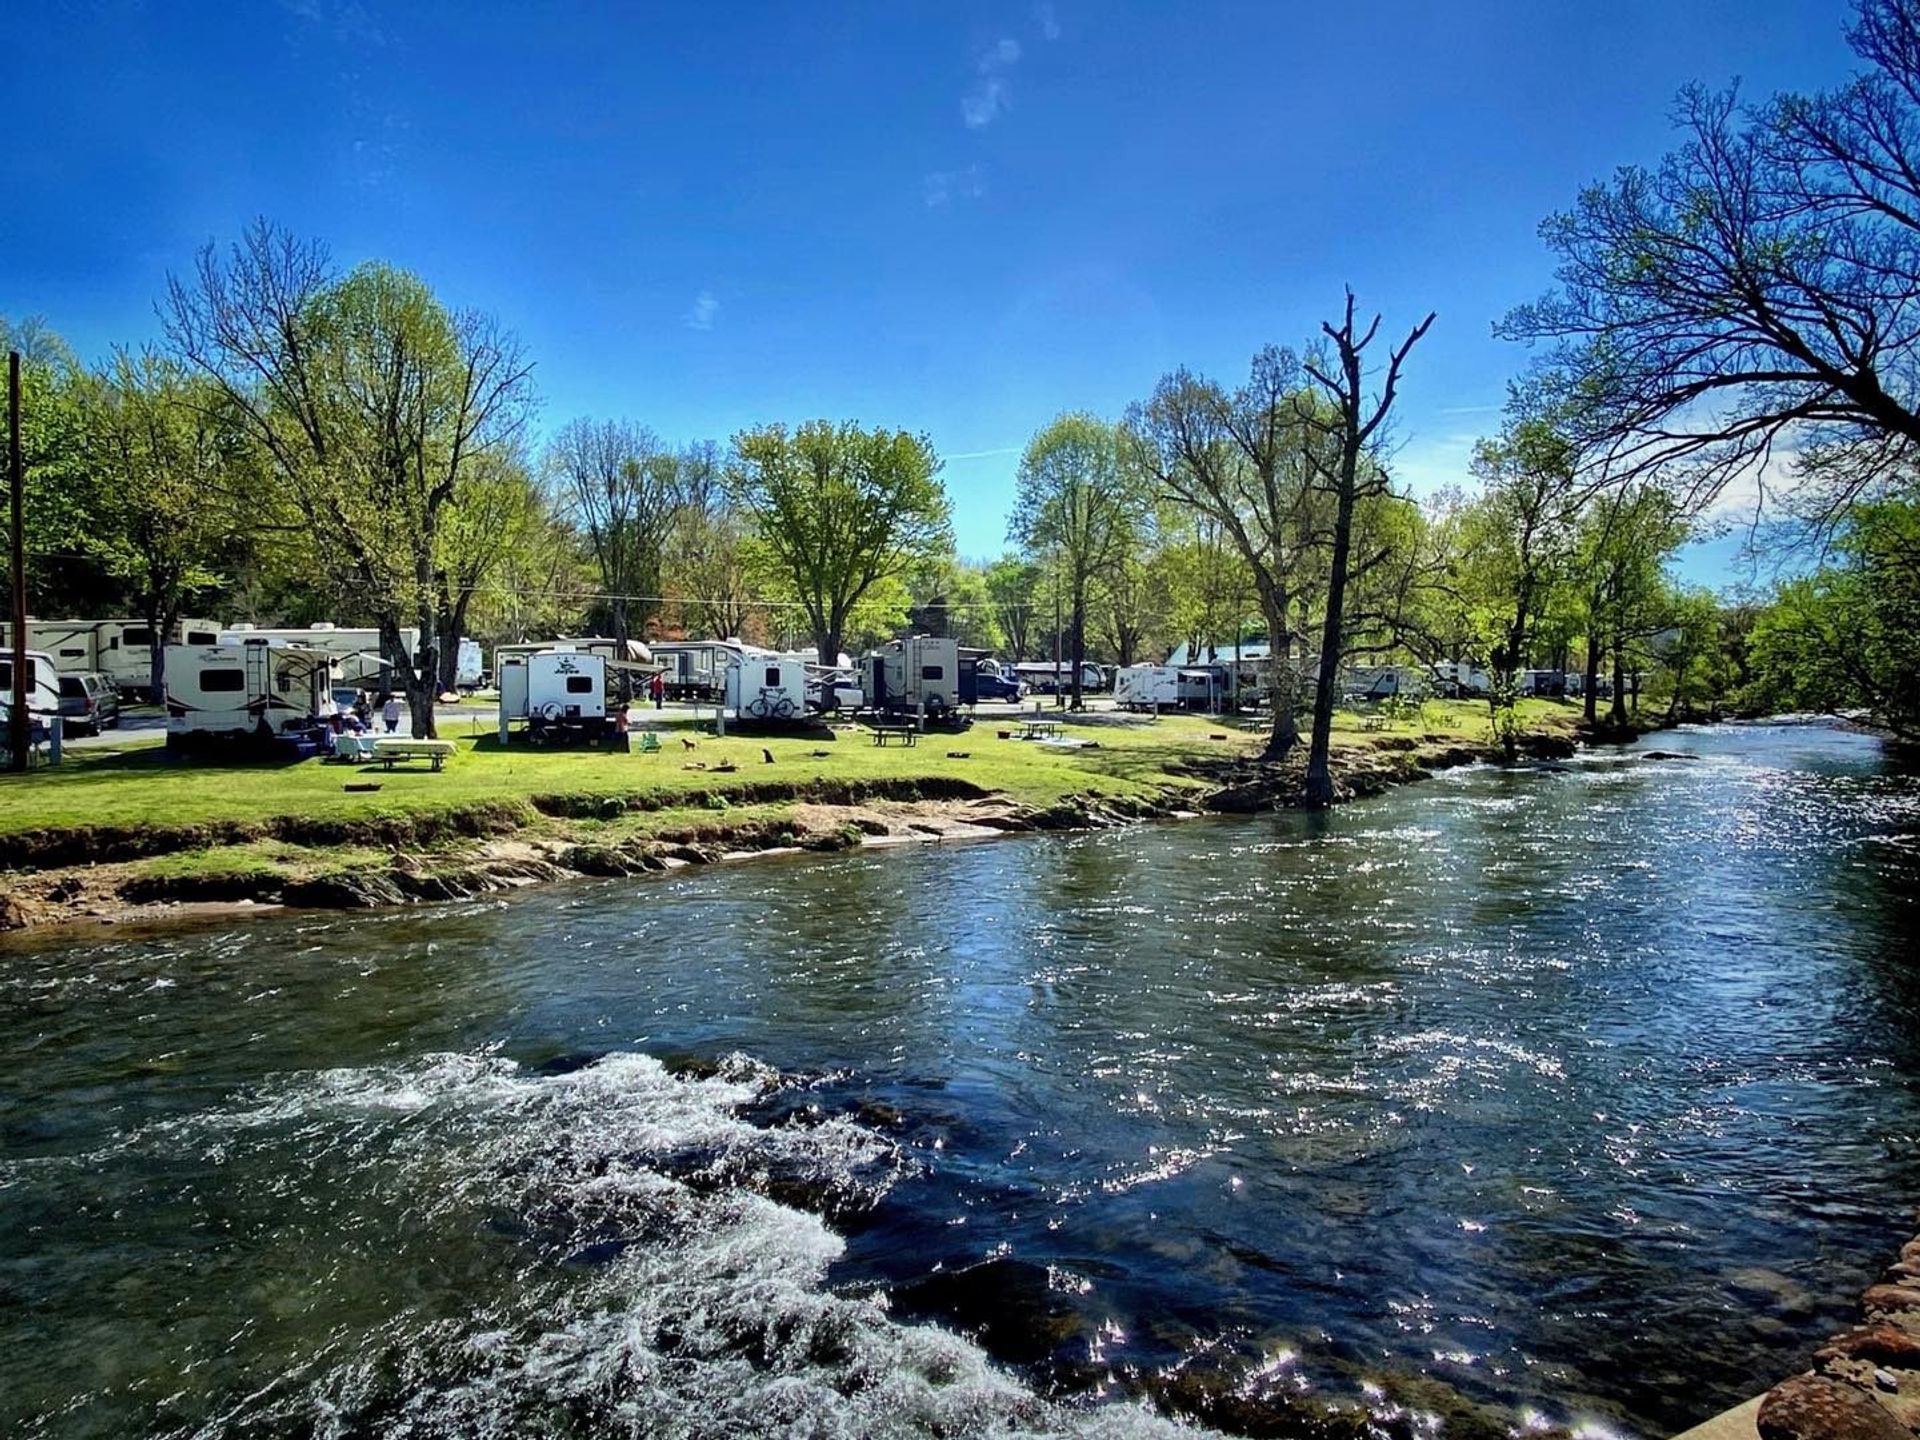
x: 6, y: 674
x: 73, y: 654
x: 194, y: 637
x: 579, y: 684
x: 113, y: 642
x: 773, y: 677
x: 140, y: 635
x: 213, y: 681
x: 931, y: 672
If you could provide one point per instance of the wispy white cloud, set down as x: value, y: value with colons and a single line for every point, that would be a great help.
x: 1048, y: 19
x: 940, y: 188
x: 706, y: 307
x: 1468, y: 410
x: 990, y: 94
x: 985, y: 454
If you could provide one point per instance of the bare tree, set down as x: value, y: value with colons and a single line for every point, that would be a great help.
x: 1756, y: 295
x: 1348, y: 470
x: 619, y: 483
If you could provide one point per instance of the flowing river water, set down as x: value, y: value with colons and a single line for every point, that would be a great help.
x: 1591, y: 1091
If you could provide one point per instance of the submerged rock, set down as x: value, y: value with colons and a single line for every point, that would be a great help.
x: 1009, y: 1306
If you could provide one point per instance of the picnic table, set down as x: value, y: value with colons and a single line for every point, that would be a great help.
x: 905, y: 731
x: 390, y: 749
x: 1039, y: 729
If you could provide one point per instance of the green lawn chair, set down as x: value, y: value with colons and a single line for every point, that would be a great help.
x: 649, y: 743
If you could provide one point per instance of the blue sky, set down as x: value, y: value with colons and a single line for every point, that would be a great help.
x: 961, y: 219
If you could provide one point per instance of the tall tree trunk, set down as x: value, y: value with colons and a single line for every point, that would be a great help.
x: 1589, y: 697
x: 1319, y: 786
x: 1619, y: 714
x: 1285, y: 732
x: 158, y: 630
x: 1079, y: 641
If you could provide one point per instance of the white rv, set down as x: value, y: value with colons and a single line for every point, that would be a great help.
x: 468, y: 665
x: 559, y: 694
x: 1146, y: 687
x: 1044, y: 677
x: 698, y: 669
x: 42, y: 687
x: 921, y: 671
x: 122, y: 650
x: 260, y: 689
x: 362, y: 661
x: 1459, y: 679
x: 767, y: 688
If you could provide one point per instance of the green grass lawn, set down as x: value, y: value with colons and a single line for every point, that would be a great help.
x: 140, y: 784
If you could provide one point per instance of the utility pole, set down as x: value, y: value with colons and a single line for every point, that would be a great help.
x: 19, y: 721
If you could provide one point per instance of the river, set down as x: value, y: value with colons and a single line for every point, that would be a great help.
x: 1591, y: 1091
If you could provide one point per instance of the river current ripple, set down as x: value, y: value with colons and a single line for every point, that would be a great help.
x: 1589, y: 1093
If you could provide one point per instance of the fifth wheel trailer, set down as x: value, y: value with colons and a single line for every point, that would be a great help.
x: 121, y: 649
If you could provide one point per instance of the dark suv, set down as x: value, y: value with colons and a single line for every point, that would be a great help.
x: 89, y: 702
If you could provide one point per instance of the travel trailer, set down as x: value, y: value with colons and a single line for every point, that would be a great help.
x: 604, y: 646
x: 1043, y: 677
x: 923, y: 672
x: 42, y: 683
x: 1383, y: 682
x: 698, y: 669
x: 767, y: 688
x: 469, y: 665
x: 122, y: 650
x: 262, y: 689
x: 1146, y: 687
x: 362, y: 660
x: 1458, y: 680
x: 561, y: 695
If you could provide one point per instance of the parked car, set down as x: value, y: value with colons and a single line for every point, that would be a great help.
x: 89, y: 702
x: 991, y: 685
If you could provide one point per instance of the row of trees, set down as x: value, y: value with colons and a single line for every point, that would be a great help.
x: 309, y: 442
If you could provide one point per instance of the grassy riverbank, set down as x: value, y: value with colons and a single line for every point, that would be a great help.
x: 128, y: 827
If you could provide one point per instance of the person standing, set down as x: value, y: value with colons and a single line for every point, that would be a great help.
x: 390, y: 712
x: 657, y: 687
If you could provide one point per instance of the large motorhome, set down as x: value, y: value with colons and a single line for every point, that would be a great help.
x: 921, y: 673
x: 362, y: 661
x: 260, y: 689
x: 122, y: 650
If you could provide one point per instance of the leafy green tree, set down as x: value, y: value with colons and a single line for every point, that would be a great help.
x: 1238, y: 459
x: 1073, y: 511
x: 370, y: 402
x: 497, y: 509
x: 1013, y: 584
x: 173, y: 471
x: 1517, y: 541
x: 1625, y: 540
x: 63, y: 495
x: 841, y: 510
x: 1847, y: 636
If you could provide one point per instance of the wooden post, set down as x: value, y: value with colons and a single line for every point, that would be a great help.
x: 20, y: 720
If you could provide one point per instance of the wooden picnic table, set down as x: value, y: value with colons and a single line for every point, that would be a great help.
x: 1038, y: 729
x: 905, y: 731
x: 389, y: 749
